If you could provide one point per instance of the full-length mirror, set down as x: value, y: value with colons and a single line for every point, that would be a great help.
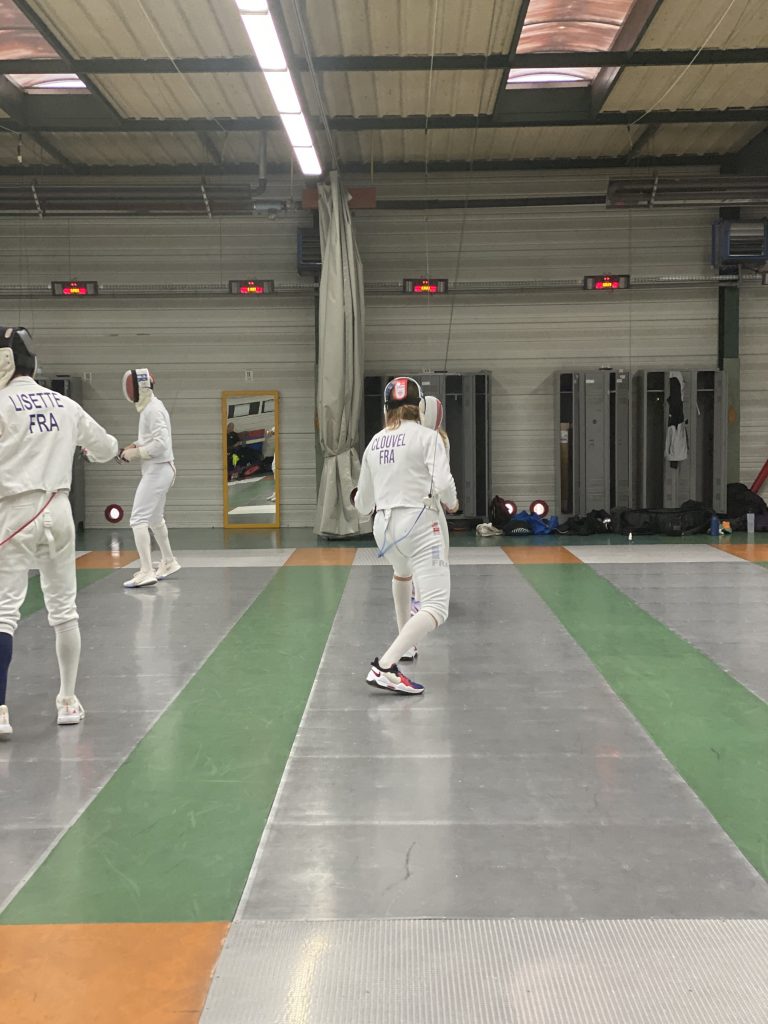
x: 250, y: 442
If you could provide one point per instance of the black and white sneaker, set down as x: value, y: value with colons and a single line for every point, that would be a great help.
x: 392, y: 679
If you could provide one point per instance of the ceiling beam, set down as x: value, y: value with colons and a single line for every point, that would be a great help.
x: 65, y: 56
x: 70, y: 117
x: 14, y: 101
x: 640, y: 16
x: 442, y: 62
x: 750, y: 159
x: 210, y: 147
x: 642, y: 140
x: 251, y: 170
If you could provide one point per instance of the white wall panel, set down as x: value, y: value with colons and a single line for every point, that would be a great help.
x: 197, y: 347
x: 522, y: 338
x: 753, y: 346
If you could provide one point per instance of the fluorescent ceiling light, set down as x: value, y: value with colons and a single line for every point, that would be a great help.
x: 308, y: 161
x: 269, y: 53
x: 283, y: 92
x: 265, y: 43
x: 296, y: 130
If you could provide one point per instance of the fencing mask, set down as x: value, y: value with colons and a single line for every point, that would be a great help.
x: 433, y: 413
x: 404, y: 391
x: 137, y: 387
x: 16, y: 356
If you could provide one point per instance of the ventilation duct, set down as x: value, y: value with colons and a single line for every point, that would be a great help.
x: 649, y: 193
x: 740, y: 242
x: 201, y: 197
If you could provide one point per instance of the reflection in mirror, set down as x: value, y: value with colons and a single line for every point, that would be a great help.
x: 250, y: 436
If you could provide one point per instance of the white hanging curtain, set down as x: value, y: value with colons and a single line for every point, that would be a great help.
x: 340, y: 364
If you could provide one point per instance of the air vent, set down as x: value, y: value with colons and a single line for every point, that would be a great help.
x: 650, y: 193
x: 308, y: 254
x: 739, y: 242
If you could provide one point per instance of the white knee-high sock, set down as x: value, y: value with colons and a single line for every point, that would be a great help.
x: 401, y: 595
x: 143, y: 546
x: 412, y: 633
x: 161, y: 536
x: 68, y: 655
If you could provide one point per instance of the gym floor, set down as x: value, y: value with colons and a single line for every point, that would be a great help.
x: 570, y: 825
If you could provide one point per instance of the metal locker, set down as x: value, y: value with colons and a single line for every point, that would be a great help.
x: 702, y: 476
x: 593, y: 417
x: 466, y: 404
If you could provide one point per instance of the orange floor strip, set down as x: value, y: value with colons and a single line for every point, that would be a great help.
x: 751, y: 552
x: 107, y: 973
x: 322, y: 556
x: 532, y: 555
x: 106, y: 560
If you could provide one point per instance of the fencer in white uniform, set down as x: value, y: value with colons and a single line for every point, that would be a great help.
x: 432, y: 418
x: 40, y: 431
x: 405, y: 477
x: 154, y: 449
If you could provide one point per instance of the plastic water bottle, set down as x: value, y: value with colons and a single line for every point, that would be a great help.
x: 750, y: 522
x: 714, y: 527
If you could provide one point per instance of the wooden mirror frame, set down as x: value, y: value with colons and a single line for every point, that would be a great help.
x: 225, y: 398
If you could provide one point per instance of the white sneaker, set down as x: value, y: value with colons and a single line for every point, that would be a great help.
x: 165, y: 569
x: 141, y: 579
x: 392, y: 679
x: 70, y: 711
x: 410, y: 655
x: 5, y: 723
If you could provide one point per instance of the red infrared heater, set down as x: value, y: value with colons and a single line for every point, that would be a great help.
x: 425, y: 285
x: 70, y: 289
x: 606, y: 282
x: 252, y: 287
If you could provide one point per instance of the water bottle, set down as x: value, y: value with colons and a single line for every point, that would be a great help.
x: 750, y: 523
x: 714, y: 527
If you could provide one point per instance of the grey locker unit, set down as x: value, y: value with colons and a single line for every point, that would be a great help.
x: 702, y: 477
x: 593, y: 440
x: 73, y: 388
x: 466, y: 399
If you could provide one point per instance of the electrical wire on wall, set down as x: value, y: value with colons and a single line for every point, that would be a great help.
x: 688, y: 66
x: 185, y: 78
x: 489, y: 44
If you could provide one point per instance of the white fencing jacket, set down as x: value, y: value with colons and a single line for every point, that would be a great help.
x: 401, y: 467
x: 39, y: 433
x: 154, y: 438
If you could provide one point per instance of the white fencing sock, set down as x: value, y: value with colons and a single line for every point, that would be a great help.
x: 401, y: 595
x: 161, y: 536
x: 411, y: 634
x: 144, y: 547
x: 68, y: 655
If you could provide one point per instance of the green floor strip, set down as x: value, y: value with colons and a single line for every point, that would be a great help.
x: 712, y: 729
x: 172, y: 835
x: 33, y: 602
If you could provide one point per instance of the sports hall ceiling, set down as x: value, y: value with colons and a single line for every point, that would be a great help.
x: 173, y: 86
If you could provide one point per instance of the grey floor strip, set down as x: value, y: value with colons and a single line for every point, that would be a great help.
x: 717, y: 608
x: 140, y: 649
x: 539, y: 796
x: 492, y: 972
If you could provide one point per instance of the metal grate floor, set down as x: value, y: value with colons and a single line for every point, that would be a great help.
x: 492, y: 972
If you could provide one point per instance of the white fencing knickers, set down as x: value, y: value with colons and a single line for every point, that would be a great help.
x: 149, y: 500
x: 413, y: 543
x: 47, y: 544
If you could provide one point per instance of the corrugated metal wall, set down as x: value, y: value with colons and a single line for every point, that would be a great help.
x: 201, y: 346
x: 523, y: 338
x: 197, y: 347
x: 754, y: 382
